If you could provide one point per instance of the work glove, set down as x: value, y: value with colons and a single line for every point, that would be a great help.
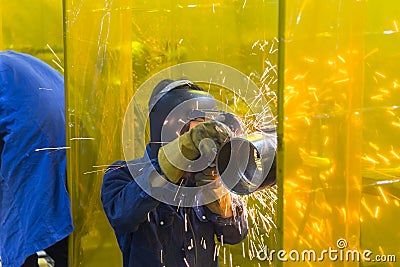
x: 204, y: 139
x: 218, y: 198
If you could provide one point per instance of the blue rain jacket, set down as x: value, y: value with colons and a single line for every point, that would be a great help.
x: 34, y: 203
x: 152, y: 233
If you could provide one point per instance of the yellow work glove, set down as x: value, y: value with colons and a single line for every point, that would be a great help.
x: 221, y: 201
x: 177, y: 156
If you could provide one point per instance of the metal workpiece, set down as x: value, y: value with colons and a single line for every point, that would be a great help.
x: 247, y: 164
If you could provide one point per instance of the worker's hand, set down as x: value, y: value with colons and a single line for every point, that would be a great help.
x: 213, y: 130
x: 204, y: 139
x: 218, y: 199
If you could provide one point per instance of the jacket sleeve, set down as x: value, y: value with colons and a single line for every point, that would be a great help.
x: 230, y: 230
x: 124, y: 201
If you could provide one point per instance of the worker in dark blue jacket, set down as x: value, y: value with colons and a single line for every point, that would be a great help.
x: 148, y: 201
x: 34, y: 203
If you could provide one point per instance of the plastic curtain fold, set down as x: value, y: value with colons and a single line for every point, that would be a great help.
x: 339, y: 116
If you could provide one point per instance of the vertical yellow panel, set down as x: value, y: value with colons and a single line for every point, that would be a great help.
x: 323, y: 97
x: 99, y: 87
x: 339, y: 113
x: 380, y: 159
x: 34, y: 27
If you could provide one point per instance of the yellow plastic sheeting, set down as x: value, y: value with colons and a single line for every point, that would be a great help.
x: 99, y: 87
x: 112, y: 47
x: 33, y: 27
x: 340, y: 122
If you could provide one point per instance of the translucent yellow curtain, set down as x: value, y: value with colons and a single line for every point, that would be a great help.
x: 99, y: 86
x: 339, y: 115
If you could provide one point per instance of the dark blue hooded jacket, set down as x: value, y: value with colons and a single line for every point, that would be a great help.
x: 151, y: 233
x: 34, y: 204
